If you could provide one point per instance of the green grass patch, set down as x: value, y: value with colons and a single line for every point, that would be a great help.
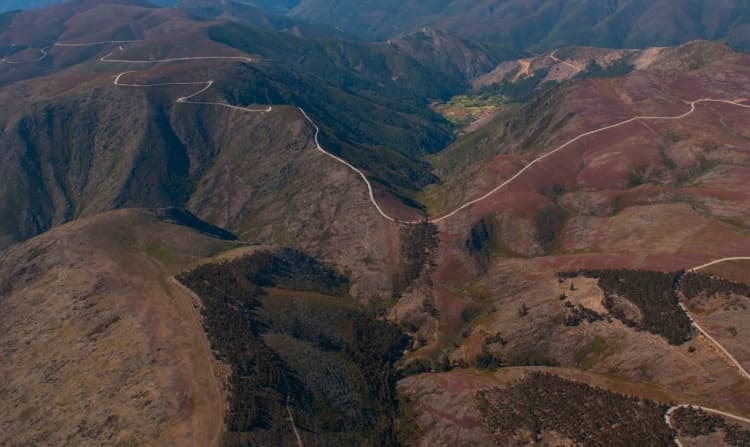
x: 591, y: 353
x: 462, y: 110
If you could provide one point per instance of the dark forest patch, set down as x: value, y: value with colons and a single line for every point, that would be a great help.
x: 480, y: 243
x: 587, y: 415
x: 694, y: 285
x: 182, y: 217
x: 694, y: 422
x: 284, y: 324
x: 652, y: 292
x: 418, y: 244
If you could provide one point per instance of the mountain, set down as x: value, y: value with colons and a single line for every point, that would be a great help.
x: 18, y: 5
x: 74, y: 302
x: 554, y: 265
x: 231, y: 224
x: 64, y: 147
x: 536, y: 25
x: 13, y: 5
x: 539, y: 24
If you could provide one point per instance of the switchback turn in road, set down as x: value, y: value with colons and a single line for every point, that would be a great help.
x: 206, y: 85
x: 209, y: 83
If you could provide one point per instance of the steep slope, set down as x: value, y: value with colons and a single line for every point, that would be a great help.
x: 639, y: 200
x: 539, y: 24
x: 99, y: 347
x: 247, y: 172
x: 79, y: 145
x: 14, y: 5
x: 301, y: 351
x: 103, y: 345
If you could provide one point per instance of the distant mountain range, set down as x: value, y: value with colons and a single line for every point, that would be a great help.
x: 541, y: 23
x: 10, y: 5
x: 13, y: 5
x: 521, y: 24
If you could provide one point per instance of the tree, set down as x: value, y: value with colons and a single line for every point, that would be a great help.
x: 523, y: 310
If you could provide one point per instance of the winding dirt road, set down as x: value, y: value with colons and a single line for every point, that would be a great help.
x: 742, y: 371
x: 291, y: 420
x: 556, y: 59
x: 43, y: 51
x: 720, y: 261
x: 528, y: 166
x: 209, y: 83
x: 206, y: 85
x: 576, y: 139
x: 668, y: 417
x: 187, y: 99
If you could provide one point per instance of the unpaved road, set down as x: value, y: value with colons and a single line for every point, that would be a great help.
x: 208, y: 84
x: 742, y: 371
x: 576, y: 139
x: 575, y: 67
x: 670, y: 412
x: 197, y: 323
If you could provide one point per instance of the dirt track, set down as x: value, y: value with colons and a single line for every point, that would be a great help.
x: 208, y: 84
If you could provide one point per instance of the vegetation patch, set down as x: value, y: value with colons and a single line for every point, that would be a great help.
x: 694, y: 422
x: 550, y: 222
x: 693, y: 285
x: 283, y: 323
x: 418, y: 244
x: 182, y: 217
x: 589, y: 416
x: 463, y: 110
x: 652, y: 292
x: 380, y: 124
x: 616, y: 69
x: 480, y: 243
x: 588, y: 355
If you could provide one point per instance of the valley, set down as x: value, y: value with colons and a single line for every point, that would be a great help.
x: 367, y: 243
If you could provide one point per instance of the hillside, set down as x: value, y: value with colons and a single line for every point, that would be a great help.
x: 64, y: 147
x: 14, y: 5
x: 311, y: 352
x: 231, y: 224
x: 17, y: 5
x: 99, y: 346
x: 641, y: 200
